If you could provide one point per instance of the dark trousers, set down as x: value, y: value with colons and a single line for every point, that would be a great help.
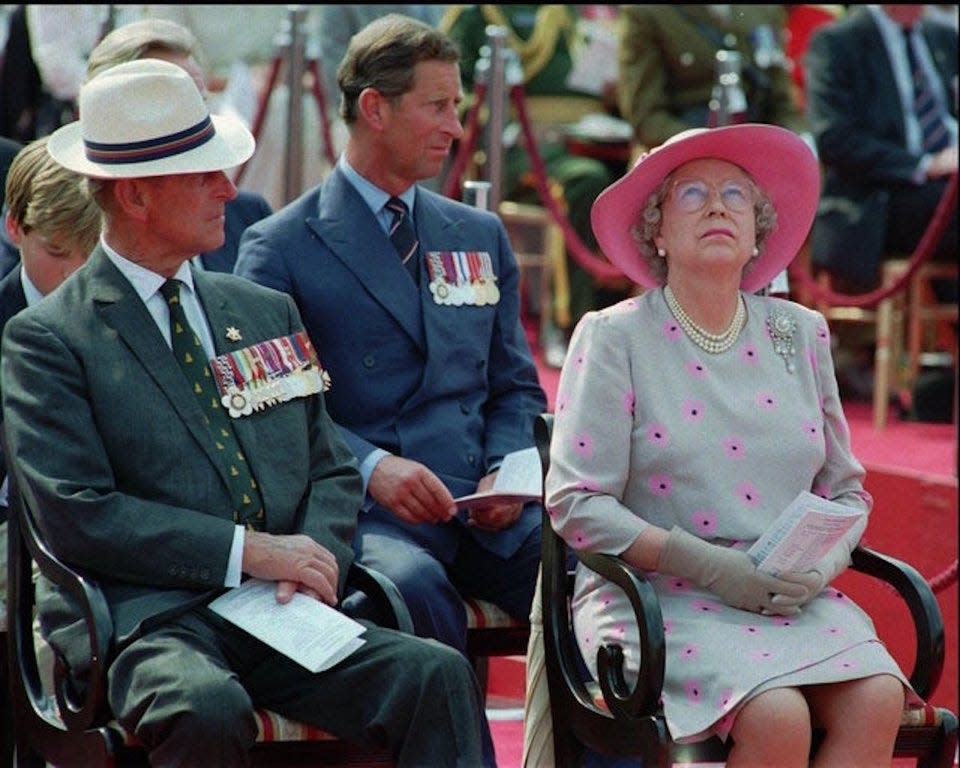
x: 188, y: 689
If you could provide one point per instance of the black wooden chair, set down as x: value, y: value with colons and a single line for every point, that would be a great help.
x: 609, y: 718
x: 66, y: 730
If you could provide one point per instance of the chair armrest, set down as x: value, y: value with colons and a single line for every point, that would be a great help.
x: 383, y: 593
x: 78, y: 712
x: 644, y: 700
x: 562, y: 656
x: 927, y: 618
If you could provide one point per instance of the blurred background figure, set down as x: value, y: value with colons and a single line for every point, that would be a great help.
x: 568, y: 72
x: 668, y: 66
x: 8, y: 250
x: 240, y: 49
x: 883, y: 174
x: 887, y: 152
x: 45, y: 62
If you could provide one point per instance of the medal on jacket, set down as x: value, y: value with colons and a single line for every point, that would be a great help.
x: 462, y: 277
x: 267, y: 373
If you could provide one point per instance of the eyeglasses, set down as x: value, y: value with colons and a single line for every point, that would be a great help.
x: 691, y: 195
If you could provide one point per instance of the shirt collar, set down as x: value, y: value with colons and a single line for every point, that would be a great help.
x: 144, y: 281
x: 374, y: 197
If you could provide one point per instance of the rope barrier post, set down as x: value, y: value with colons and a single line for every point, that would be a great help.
x: 293, y: 169
x: 497, y: 37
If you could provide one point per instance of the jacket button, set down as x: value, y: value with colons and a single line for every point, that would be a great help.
x: 368, y: 361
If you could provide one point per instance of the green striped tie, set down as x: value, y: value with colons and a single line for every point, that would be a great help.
x: 247, y: 502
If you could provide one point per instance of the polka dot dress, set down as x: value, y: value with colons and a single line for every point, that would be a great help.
x: 651, y: 429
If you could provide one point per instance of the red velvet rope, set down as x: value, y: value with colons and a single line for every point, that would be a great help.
x: 945, y: 579
x: 260, y: 115
x: 314, y: 66
x: 586, y: 258
x: 451, y: 187
x: 931, y: 237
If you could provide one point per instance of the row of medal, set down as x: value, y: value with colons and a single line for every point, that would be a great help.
x: 268, y: 373
x: 462, y: 277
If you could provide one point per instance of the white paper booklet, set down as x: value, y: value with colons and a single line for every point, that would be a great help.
x: 311, y: 633
x: 519, y: 479
x: 805, y: 531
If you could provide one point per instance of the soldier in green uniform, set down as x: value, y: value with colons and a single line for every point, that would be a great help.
x: 548, y: 40
x: 667, y: 66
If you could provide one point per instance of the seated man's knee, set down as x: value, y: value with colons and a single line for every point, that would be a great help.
x: 169, y: 706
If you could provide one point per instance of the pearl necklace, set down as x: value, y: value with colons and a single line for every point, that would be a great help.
x: 714, y: 343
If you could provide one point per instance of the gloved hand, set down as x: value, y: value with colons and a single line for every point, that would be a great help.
x: 813, y: 583
x: 728, y: 573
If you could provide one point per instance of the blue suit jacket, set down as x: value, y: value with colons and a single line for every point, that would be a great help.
x: 245, y: 209
x: 454, y: 388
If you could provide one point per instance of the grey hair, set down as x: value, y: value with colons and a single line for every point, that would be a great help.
x: 647, y: 227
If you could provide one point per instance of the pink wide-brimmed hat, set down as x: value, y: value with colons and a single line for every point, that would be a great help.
x: 778, y: 161
x: 147, y: 118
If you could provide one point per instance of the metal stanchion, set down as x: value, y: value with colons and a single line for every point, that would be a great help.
x: 497, y: 37
x: 293, y: 169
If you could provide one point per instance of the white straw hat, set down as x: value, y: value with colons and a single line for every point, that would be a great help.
x: 147, y: 118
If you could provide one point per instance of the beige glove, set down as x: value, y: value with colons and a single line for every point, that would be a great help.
x: 813, y: 583
x: 730, y: 574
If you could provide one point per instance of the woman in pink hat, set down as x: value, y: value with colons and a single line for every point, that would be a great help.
x: 687, y: 419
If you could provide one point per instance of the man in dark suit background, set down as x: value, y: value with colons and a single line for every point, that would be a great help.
x: 130, y: 479
x: 880, y: 186
x: 436, y: 382
x: 8, y: 251
x: 155, y: 38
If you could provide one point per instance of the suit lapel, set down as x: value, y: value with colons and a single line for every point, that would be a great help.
x: 125, y: 314
x: 349, y: 229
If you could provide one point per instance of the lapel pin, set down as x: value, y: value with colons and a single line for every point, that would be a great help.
x: 233, y: 333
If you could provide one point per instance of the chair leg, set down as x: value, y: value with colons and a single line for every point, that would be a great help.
x: 6, y: 707
x: 946, y: 750
x: 481, y: 668
x: 882, y: 363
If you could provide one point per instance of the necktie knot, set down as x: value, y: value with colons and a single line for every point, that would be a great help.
x: 170, y: 291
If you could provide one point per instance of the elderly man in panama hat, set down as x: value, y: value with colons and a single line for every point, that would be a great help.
x: 167, y: 497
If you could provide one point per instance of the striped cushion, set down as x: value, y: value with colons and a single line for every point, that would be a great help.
x: 270, y: 727
x: 484, y: 615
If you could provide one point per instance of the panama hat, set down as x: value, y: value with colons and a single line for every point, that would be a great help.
x: 778, y: 161
x: 147, y: 118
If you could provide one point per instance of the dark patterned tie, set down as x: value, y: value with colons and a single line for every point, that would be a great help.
x: 247, y: 503
x: 403, y: 237
x: 930, y: 112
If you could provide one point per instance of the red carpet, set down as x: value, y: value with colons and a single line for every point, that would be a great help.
x: 912, y: 475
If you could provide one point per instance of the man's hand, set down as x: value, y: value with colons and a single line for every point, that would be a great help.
x: 296, y: 562
x: 493, y: 517
x: 943, y: 163
x: 411, y: 491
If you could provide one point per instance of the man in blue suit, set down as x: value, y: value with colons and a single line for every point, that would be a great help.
x: 435, y: 382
